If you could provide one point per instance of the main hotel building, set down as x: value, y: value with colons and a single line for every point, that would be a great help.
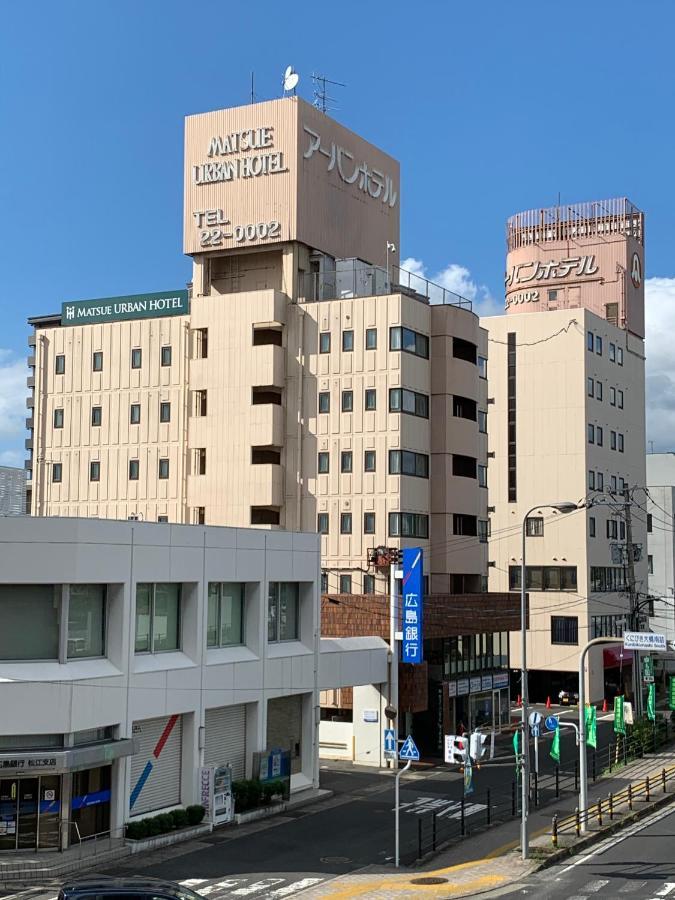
x: 302, y: 382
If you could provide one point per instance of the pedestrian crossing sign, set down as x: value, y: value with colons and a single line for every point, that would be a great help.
x: 409, y: 750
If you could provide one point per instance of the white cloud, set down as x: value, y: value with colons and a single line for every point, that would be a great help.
x: 457, y: 279
x: 13, y: 411
x: 660, y: 331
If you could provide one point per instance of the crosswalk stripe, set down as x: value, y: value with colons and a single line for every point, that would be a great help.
x: 578, y: 897
x: 192, y: 882
x: 594, y: 886
x: 294, y: 887
x: 632, y: 886
x: 257, y: 886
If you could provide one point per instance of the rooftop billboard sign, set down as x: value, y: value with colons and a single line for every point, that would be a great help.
x: 133, y: 306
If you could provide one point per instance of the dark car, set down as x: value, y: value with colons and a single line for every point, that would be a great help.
x: 104, y: 887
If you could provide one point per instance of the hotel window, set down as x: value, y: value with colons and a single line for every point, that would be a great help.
x: 591, y: 526
x: 649, y: 523
x: 371, y: 338
x: 345, y: 523
x: 619, y: 399
x: 612, y: 529
x: 135, y: 414
x: 612, y: 440
x: 94, y: 470
x: 409, y: 525
x: 371, y: 399
x: 324, y: 582
x: 412, y: 342
x: 464, y: 408
x: 620, y: 442
x: 165, y: 357
x: 97, y: 361
x: 347, y: 401
x: 164, y: 411
x: 465, y: 350
x: 58, y: 418
x: 369, y: 461
x: 482, y: 476
x: 598, y: 345
x: 368, y: 584
x: 199, y: 461
x: 345, y: 584
x: 534, y: 526
x: 199, y: 515
x: 283, y: 611
x: 463, y: 466
x: 599, y: 481
x: 86, y: 621
x: 590, y: 342
x: 136, y: 358
x: 200, y: 403
x: 612, y: 396
x: 60, y: 364
x: 369, y: 523
x: 324, y: 342
x: 96, y: 415
x: 650, y: 564
x: 405, y: 401
x: 464, y: 524
x: 591, y: 386
x: 133, y: 470
x: 201, y: 343
x: 57, y: 473
x: 619, y: 355
x: 346, y: 461
x: 225, y: 621
x: 591, y: 433
x: 544, y: 578
x: 598, y: 390
x: 347, y: 341
x: 598, y: 435
x: 482, y: 421
x: 163, y: 469
x: 482, y: 368
x: 163, y: 519
x: 323, y: 463
x: 483, y: 530
x: 552, y: 296
x: 612, y: 352
x: 157, y: 617
x: 324, y: 402
x: 612, y: 483
x: 407, y: 462
x: 322, y: 523
x: 564, y: 630
x: 591, y: 480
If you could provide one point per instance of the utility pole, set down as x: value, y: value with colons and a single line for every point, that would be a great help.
x: 634, y: 617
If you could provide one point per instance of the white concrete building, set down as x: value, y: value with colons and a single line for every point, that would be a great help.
x: 132, y: 654
x: 659, y: 511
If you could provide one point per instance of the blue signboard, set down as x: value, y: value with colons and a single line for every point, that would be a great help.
x: 412, y: 605
x: 409, y: 750
x: 551, y: 722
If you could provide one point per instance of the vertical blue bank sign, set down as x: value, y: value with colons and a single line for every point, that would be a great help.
x: 412, y: 605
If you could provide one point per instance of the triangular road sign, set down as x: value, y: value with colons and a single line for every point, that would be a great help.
x: 409, y: 750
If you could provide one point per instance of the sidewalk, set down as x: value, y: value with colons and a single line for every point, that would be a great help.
x: 491, y: 859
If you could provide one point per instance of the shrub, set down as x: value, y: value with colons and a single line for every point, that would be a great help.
x: 195, y: 814
x: 179, y: 818
x: 136, y: 831
x: 240, y: 794
x: 153, y: 827
x: 165, y: 822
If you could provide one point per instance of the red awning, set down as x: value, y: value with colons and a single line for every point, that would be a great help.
x: 613, y: 657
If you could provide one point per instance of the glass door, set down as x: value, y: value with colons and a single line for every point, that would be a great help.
x: 28, y: 814
x: 9, y: 796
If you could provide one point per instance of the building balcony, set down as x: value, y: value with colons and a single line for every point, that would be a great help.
x: 267, y: 485
x: 267, y: 425
x: 31, y: 340
x: 268, y: 366
x: 30, y: 381
x: 31, y: 361
x: 30, y: 402
x: 28, y: 443
x: 29, y: 423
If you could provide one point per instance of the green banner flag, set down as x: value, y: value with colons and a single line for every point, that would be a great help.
x: 516, y: 748
x: 591, y: 717
x: 651, y: 702
x: 555, y: 745
x: 619, y: 724
x: 671, y: 692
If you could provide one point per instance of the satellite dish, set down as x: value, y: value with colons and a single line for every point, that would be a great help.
x: 291, y: 79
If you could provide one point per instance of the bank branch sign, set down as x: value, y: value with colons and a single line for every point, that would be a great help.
x: 134, y: 306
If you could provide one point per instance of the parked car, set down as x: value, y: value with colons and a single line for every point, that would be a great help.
x: 568, y: 697
x: 104, y: 887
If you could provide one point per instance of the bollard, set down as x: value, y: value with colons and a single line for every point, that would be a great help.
x: 489, y: 807
x: 609, y: 758
x: 610, y: 806
x: 433, y: 830
x: 600, y: 813
x: 419, y: 838
x: 663, y: 780
x: 630, y: 796
x: 513, y: 798
x: 647, y: 789
x: 557, y: 782
x: 577, y: 821
x: 554, y: 830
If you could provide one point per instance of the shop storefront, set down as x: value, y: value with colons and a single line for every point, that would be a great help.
x: 481, y: 701
x: 51, y: 800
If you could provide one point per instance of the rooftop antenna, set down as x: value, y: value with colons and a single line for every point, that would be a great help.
x: 252, y: 87
x: 290, y: 80
x: 321, y: 99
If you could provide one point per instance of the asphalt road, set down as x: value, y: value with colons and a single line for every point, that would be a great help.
x: 637, y: 864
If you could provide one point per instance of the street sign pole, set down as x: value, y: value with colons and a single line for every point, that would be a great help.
x: 536, y: 752
x: 396, y: 808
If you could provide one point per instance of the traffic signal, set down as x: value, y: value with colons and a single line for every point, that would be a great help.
x: 477, y: 748
x: 456, y: 748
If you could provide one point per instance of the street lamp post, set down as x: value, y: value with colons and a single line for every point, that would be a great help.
x: 564, y: 507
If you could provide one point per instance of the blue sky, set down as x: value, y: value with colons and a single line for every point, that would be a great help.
x: 491, y: 107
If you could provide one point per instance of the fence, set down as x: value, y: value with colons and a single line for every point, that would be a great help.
x: 484, y: 809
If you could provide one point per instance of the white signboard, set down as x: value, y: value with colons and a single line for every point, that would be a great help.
x: 644, y: 640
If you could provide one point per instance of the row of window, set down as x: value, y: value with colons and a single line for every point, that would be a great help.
x: 594, y: 389
x: 134, y: 414
x: 401, y: 462
x: 544, y: 578
x: 594, y: 344
x: 608, y: 578
x: 608, y: 626
x: 474, y: 653
x: 97, y: 360
x: 134, y: 470
x: 408, y: 341
x: 348, y: 340
x: 596, y: 482
x: 408, y: 525
x: 596, y: 436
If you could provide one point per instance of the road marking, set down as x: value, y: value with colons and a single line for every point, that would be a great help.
x: 294, y: 887
x: 257, y: 886
x: 193, y: 882
x: 666, y: 889
x: 613, y: 840
x: 594, y: 886
x: 631, y: 886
